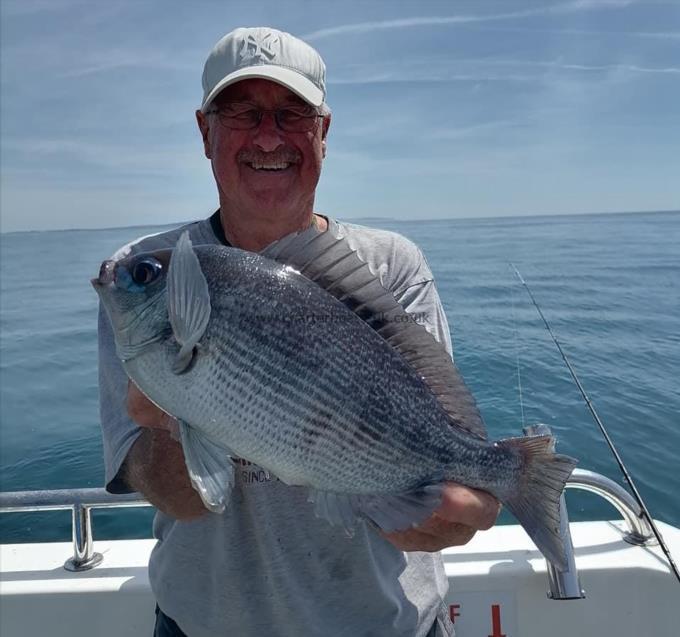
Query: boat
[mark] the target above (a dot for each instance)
(618, 583)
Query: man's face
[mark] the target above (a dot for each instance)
(264, 170)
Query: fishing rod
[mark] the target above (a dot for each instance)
(591, 408)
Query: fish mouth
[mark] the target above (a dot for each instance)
(106, 274)
(129, 335)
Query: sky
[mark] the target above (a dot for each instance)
(440, 109)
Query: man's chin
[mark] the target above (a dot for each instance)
(274, 202)
(270, 187)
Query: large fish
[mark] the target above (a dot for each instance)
(298, 360)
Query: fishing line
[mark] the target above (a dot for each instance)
(519, 375)
(591, 408)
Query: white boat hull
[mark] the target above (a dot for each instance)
(498, 587)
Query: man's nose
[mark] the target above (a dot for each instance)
(267, 135)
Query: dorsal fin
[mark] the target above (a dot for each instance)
(331, 262)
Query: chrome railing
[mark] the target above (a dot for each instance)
(563, 584)
(639, 530)
(80, 502)
(566, 584)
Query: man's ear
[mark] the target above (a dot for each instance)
(326, 124)
(204, 128)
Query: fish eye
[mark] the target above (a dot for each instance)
(146, 270)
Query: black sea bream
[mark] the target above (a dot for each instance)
(298, 360)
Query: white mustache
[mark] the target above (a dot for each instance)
(284, 156)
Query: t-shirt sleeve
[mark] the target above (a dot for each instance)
(118, 431)
(403, 269)
(421, 300)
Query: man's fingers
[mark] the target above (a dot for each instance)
(440, 527)
(433, 535)
(463, 511)
(470, 507)
(415, 541)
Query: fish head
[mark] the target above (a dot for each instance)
(133, 291)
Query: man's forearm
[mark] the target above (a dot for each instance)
(155, 467)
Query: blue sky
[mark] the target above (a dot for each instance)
(440, 109)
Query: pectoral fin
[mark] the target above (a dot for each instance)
(188, 301)
(210, 468)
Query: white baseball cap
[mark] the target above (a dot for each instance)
(262, 52)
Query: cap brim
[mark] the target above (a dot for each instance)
(292, 80)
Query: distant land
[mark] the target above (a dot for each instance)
(369, 220)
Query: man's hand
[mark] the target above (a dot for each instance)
(145, 414)
(463, 512)
(155, 464)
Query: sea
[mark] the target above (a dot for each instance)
(609, 286)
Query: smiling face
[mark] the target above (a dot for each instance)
(263, 173)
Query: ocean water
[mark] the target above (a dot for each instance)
(608, 284)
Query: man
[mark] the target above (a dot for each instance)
(267, 565)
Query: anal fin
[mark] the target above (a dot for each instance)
(210, 468)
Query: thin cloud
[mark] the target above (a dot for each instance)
(140, 60)
(559, 64)
(483, 70)
(474, 130)
(631, 68)
(661, 35)
(406, 23)
(27, 7)
(594, 4)
(112, 157)
(431, 76)
(658, 35)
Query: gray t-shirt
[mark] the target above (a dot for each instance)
(268, 565)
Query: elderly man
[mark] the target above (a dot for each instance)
(267, 565)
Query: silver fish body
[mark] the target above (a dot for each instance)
(289, 377)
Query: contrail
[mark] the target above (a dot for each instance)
(405, 23)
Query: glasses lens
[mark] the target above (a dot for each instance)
(239, 117)
(296, 120)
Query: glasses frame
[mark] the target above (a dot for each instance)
(262, 111)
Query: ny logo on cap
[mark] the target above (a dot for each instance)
(263, 49)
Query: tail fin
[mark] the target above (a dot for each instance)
(536, 501)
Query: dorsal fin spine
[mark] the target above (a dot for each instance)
(319, 275)
(336, 283)
(304, 266)
(362, 305)
(350, 293)
(378, 307)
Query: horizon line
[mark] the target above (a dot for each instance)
(373, 218)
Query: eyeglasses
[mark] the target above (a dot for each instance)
(245, 116)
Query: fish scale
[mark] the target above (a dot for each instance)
(258, 361)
